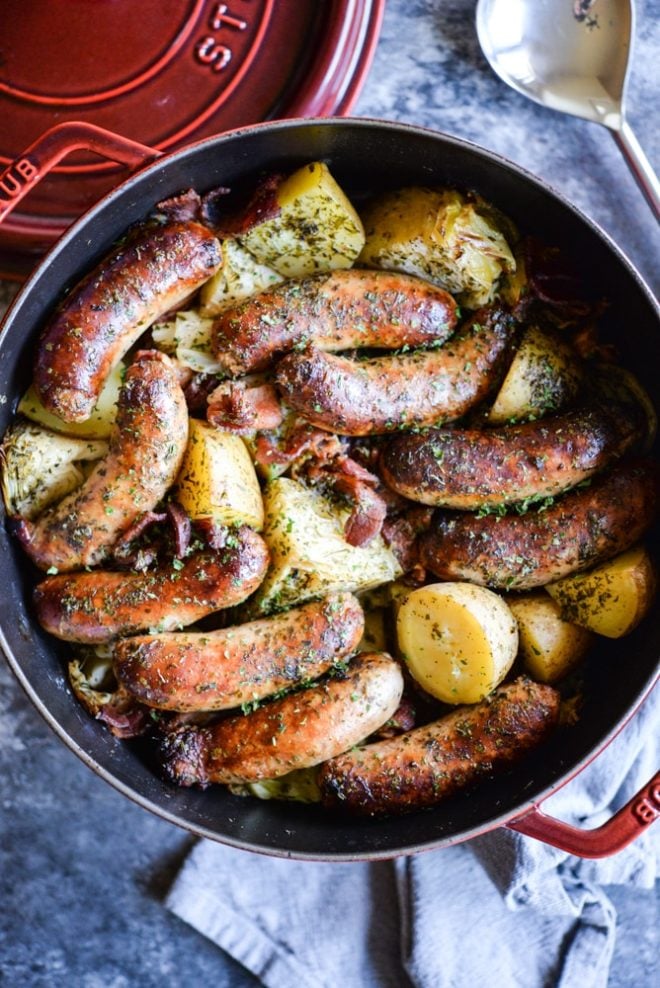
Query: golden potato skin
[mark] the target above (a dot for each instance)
(612, 598)
(217, 478)
(550, 646)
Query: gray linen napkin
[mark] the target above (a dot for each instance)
(500, 910)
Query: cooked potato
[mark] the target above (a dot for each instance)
(550, 646)
(374, 637)
(316, 229)
(545, 375)
(217, 479)
(612, 598)
(440, 235)
(240, 276)
(97, 426)
(38, 467)
(458, 640)
(309, 554)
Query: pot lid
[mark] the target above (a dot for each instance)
(163, 73)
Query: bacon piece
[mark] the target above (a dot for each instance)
(237, 408)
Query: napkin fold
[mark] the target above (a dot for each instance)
(501, 909)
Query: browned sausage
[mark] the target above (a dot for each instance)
(96, 607)
(371, 397)
(470, 468)
(298, 731)
(418, 769)
(146, 448)
(517, 552)
(336, 311)
(218, 670)
(136, 284)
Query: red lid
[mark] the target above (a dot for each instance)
(164, 73)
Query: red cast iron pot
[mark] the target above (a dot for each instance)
(365, 156)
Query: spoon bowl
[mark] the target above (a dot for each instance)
(571, 56)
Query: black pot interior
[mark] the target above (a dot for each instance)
(364, 156)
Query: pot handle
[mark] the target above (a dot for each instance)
(627, 824)
(37, 160)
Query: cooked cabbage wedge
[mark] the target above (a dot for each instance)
(458, 640)
(217, 478)
(550, 646)
(92, 679)
(97, 426)
(612, 598)
(188, 338)
(39, 466)
(309, 554)
(299, 786)
(544, 376)
(458, 243)
(317, 229)
(240, 276)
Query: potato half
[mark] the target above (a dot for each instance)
(458, 640)
(612, 598)
(549, 645)
(217, 478)
(545, 375)
(316, 229)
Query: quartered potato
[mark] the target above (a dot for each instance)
(374, 636)
(545, 375)
(317, 228)
(97, 426)
(612, 598)
(240, 276)
(550, 646)
(309, 554)
(438, 234)
(458, 640)
(217, 479)
(40, 467)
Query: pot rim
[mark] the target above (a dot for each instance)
(145, 174)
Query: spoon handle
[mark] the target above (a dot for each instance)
(639, 165)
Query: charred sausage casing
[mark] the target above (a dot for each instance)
(155, 270)
(518, 552)
(93, 608)
(336, 311)
(219, 670)
(145, 451)
(424, 766)
(384, 394)
(469, 469)
(298, 731)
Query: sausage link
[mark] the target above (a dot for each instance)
(424, 766)
(218, 670)
(372, 397)
(93, 608)
(336, 311)
(468, 468)
(145, 451)
(136, 284)
(517, 552)
(298, 731)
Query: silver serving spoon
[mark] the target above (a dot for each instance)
(572, 56)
